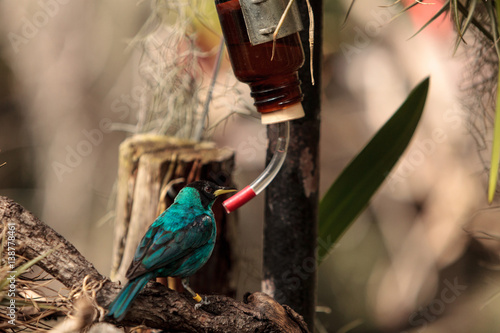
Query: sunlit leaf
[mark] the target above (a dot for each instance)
(495, 150)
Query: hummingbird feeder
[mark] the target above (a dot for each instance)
(265, 51)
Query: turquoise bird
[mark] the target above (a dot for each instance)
(177, 244)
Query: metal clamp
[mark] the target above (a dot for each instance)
(262, 17)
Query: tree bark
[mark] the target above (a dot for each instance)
(156, 306)
(290, 229)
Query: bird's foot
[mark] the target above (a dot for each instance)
(200, 301)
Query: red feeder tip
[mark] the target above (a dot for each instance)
(239, 199)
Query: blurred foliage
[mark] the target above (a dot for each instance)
(484, 16)
(463, 14)
(351, 192)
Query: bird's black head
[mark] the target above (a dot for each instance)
(209, 191)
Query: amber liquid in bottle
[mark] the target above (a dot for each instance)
(275, 84)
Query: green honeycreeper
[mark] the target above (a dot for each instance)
(177, 244)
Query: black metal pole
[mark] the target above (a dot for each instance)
(291, 212)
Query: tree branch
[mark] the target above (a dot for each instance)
(156, 306)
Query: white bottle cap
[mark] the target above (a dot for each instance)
(294, 111)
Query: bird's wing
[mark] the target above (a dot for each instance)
(160, 247)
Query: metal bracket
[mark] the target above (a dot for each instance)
(262, 17)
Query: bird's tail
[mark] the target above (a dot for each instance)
(119, 307)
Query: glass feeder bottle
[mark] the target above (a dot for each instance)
(273, 79)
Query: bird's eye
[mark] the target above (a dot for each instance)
(208, 189)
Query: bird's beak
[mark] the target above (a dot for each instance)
(224, 191)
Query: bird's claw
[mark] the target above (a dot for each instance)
(201, 302)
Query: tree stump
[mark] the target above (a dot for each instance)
(152, 169)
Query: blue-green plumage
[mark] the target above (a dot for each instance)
(178, 243)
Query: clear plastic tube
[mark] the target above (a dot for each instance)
(267, 176)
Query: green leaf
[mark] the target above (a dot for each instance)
(348, 12)
(351, 192)
(443, 9)
(468, 16)
(495, 149)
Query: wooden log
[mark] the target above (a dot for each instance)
(151, 167)
(156, 306)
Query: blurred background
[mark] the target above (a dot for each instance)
(424, 255)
